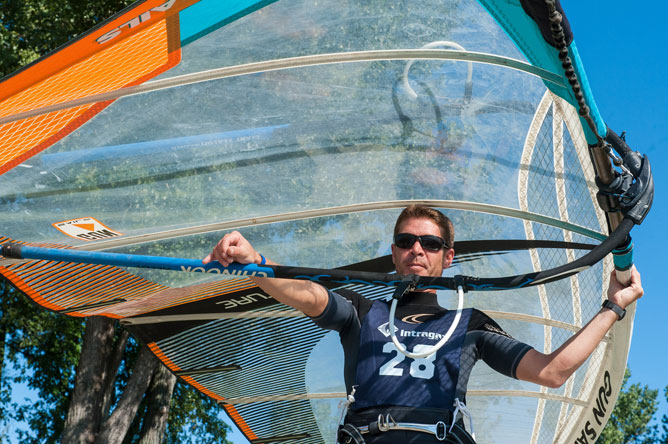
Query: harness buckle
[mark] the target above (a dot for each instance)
(386, 423)
(441, 431)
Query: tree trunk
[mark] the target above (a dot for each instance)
(85, 415)
(113, 363)
(116, 426)
(159, 400)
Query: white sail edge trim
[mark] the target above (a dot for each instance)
(610, 373)
(342, 395)
(295, 62)
(574, 128)
(609, 377)
(523, 196)
(558, 129)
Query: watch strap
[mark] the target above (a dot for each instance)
(616, 308)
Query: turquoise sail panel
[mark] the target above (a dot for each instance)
(589, 97)
(208, 15)
(526, 34)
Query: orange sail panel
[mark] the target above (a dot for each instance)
(142, 56)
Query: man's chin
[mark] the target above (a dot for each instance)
(415, 269)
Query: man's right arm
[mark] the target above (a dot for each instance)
(553, 369)
(305, 296)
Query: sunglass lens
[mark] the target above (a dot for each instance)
(405, 240)
(433, 243)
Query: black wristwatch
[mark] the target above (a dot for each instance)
(614, 307)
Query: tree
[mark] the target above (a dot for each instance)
(30, 29)
(95, 383)
(664, 422)
(128, 396)
(629, 421)
(42, 348)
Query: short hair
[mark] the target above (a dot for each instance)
(421, 212)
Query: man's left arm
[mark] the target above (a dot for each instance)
(553, 369)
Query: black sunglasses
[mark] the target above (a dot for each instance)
(428, 242)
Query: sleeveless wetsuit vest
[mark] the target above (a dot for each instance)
(387, 377)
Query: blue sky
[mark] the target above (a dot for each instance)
(623, 50)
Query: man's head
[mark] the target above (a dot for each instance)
(419, 234)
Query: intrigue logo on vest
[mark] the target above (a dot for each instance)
(385, 330)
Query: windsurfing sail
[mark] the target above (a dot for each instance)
(310, 125)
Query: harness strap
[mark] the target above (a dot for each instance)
(456, 434)
(349, 434)
(387, 423)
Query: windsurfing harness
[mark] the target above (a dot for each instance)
(404, 425)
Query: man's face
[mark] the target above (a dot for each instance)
(416, 259)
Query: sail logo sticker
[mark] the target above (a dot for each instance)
(86, 228)
(134, 22)
(252, 298)
(224, 272)
(590, 432)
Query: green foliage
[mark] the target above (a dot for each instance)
(193, 414)
(43, 348)
(629, 422)
(664, 422)
(32, 28)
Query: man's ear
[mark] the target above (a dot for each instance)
(393, 247)
(448, 257)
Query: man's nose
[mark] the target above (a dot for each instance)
(416, 248)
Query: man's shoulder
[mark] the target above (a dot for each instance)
(481, 321)
(362, 304)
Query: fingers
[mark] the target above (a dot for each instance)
(221, 251)
(624, 295)
(217, 254)
(635, 281)
(233, 247)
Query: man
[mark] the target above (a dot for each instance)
(404, 400)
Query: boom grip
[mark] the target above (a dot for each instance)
(11, 250)
(623, 259)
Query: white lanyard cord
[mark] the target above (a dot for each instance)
(461, 407)
(440, 343)
(345, 405)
